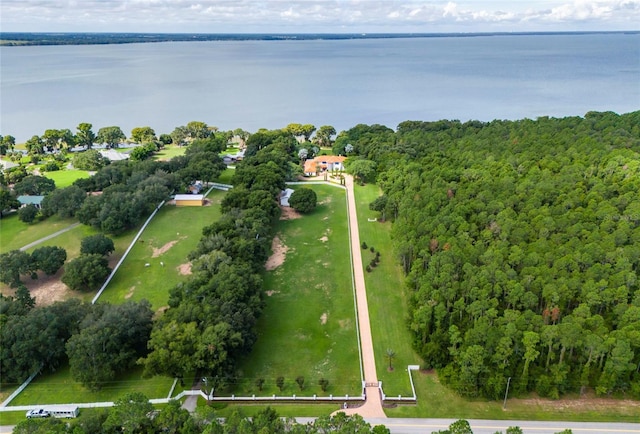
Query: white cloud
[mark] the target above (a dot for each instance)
(317, 15)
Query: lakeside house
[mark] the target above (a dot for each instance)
(323, 163)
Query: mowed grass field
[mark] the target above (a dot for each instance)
(385, 297)
(60, 388)
(64, 178)
(170, 237)
(15, 234)
(170, 151)
(308, 326)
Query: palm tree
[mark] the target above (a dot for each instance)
(390, 355)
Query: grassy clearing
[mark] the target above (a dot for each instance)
(170, 151)
(436, 401)
(169, 238)
(14, 234)
(385, 297)
(12, 417)
(64, 178)
(284, 410)
(225, 176)
(308, 326)
(60, 388)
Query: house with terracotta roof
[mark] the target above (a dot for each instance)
(323, 163)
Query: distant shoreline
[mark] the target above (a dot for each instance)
(20, 39)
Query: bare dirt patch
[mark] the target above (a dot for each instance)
(324, 239)
(289, 213)
(278, 256)
(165, 248)
(129, 294)
(184, 269)
(271, 292)
(587, 403)
(207, 202)
(323, 318)
(46, 289)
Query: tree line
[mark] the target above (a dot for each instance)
(134, 414)
(211, 318)
(519, 240)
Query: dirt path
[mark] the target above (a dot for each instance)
(373, 405)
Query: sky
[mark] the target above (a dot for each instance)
(317, 16)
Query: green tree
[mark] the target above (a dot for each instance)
(34, 185)
(64, 202)
(28, 213)
(49, 425)
(324, 134)
(89, 160)
(111, 339)
(86, 272)
(49, 259)
(303, 200)
(143, 134)
(390, 355)
(98, 244)
(35, 145)
(13, 264)
(130, 414)
(7, 200)
(300, 381)
(111, 136)
(198, 130)
(280, 383)
(85, 135)
(362, 170)
(7, 143)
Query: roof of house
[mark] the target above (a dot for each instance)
(29, 200)
(114, 155)
(189, 197)
(310, 164)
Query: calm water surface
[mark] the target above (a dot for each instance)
(255, 84)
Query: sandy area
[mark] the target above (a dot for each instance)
(159, 251)
(278, 256)
(184, 269)
(289, 213)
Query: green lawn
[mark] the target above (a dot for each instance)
(225, 176)
(437, 401)
(284, 410)
(60, 388)
(170, 237)
(386, 298)
(308, 326)
(64, 178)
(14, 234)
(169, 151)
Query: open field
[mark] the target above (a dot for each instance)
(15, 234)
(60, 388)
(385, 297)
(308, 327)
(435, 400)
(169, 151)
(169, 238)
(225, 176)
(64, 178)
(284, 410)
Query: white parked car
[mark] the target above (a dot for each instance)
(41, 412)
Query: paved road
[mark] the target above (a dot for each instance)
(425, 426)
(48, 237)
(373, 405)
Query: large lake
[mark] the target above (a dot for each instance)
(255, 84)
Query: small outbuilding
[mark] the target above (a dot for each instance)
(189, 199)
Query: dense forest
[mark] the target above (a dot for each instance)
(521, 245)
